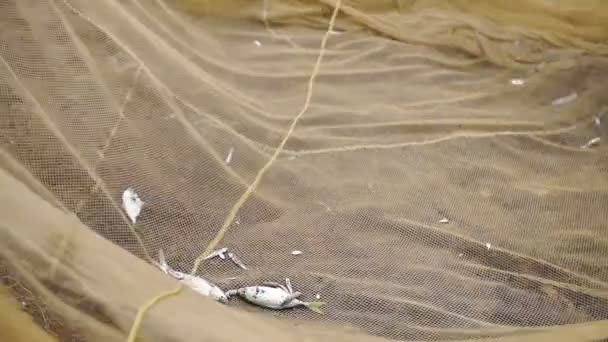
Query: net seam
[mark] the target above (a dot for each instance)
(441, 139)
(101, 152)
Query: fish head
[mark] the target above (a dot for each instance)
(219, 295)
(251, 292)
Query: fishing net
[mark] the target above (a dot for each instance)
(432, 170)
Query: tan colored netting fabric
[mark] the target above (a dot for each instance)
(413, 118)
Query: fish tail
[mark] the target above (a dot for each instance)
(315, 306)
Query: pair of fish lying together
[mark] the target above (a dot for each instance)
(270, 295)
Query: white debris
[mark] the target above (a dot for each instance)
(327, 208)
(488, 245)
(318, 296)
(132, 204)
(565, 99)
(236, 260)
(593, 142)
(444, 220)
(460, 255)
(24, 303)
(220, 252)
(370, 187)
(597, 120)
(518, 81)
(257, 43)
(296, 252)
(229, 157)
(539, 67)
(169, 116)
(198, 284)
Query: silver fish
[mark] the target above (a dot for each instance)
(593, 142)
(198, 284)
(220, 252)
(274, 296)
(565, 99)
(132, 204)
(236, 260)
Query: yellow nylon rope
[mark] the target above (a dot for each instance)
(145, 307)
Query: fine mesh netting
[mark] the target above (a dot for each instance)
(439, 165)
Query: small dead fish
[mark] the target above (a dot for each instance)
(197, 284)
(274, 296)
(220, 252)
(132, 204)
(518, 81)
(593, 142)
(565, 99)
(229, 157)
(296, 252)
(444, 220)
(205, 287)
(236, 260)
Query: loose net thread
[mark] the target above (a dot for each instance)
(237, 206)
